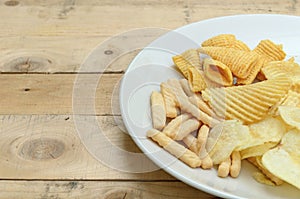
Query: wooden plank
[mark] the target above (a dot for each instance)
(52, 94)
(48, 147)
(99, 189)
(71, 29)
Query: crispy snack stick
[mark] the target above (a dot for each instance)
(169, 99)
(158, 110)
(186, 128)
(175, 124)
(187, 106)
(176, 149)
(191, 142)
(236, 161)
(224, 168)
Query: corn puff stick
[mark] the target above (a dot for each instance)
(236, 161)
(186, 128)
(224, 168)
(158, 110)
(176, 149)
(175, 123)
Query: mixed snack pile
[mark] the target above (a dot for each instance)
(233, 104)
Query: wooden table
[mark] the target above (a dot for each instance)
(42, 46)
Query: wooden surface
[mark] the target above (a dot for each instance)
(42, 46)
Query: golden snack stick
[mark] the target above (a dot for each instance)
(169, 99)
(186, 128)
(191, 142)
(236, 161)
(224, 168)
(174, 124)
(176, 149)
(158, 110)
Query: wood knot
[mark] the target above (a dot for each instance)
(28, 64)
(42, 149)
(11, 3)
(108, 52)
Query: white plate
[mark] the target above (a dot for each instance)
(153, 65)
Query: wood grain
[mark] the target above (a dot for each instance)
(52, 94)
(71, 29)
(48, 147)
(101, 189)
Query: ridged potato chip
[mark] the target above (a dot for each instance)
(284, 160)
(292, 98)
(247, 103)
(240, 62)
(290, 115)
(217, 72)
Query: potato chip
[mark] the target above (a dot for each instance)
(284, 160)
(257, 161)
(247, 103)
(217, 72)
(240, 62)
(291, 99)
(290, 115)
(257, 150)
(270, 50)
(224, 138)
(261, 178)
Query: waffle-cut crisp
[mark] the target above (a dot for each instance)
(217, 72)
(255, 69)
(247, 103)
(222, 40)
(271, 50)
(192, 57)
(240, 62)
(196, 80)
